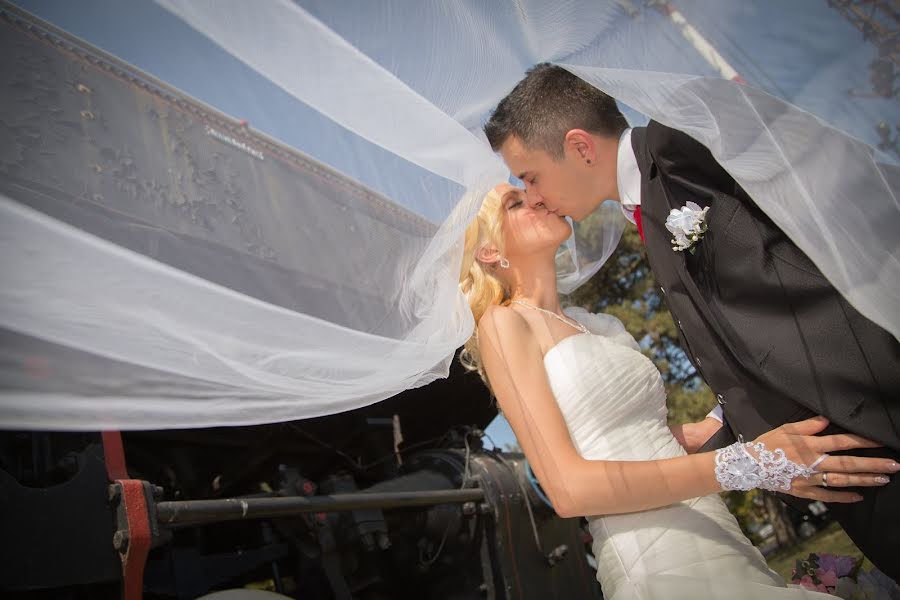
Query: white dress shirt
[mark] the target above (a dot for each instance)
(628, 176)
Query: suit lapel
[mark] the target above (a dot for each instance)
(654, 200)
(669, 267)
(654, 209)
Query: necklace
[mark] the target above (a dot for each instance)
(566, 320)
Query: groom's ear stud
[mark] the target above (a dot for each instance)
(588, 161)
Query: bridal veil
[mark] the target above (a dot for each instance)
(285, 302)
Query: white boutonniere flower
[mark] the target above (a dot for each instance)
(687, 226)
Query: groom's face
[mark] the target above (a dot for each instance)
(564, 186)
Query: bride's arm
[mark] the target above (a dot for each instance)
(577, 486)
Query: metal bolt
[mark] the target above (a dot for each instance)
(485, 509)
(469, 508)
(120, 540)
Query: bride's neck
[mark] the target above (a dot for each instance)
(536, 284)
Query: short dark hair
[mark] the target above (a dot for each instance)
(548, 103)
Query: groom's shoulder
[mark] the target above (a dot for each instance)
(658, 134)
(672, 145)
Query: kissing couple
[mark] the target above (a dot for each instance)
(807, 387)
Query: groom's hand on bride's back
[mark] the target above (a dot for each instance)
(801, 445)
(692, 436)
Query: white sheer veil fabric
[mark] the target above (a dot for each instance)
(826, 190)
(138, 341)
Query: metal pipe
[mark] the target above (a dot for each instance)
(193, 512)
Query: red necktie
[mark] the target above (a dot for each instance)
(637, 221)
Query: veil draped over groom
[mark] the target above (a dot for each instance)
(391, 97)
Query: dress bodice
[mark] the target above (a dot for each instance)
(611, 397)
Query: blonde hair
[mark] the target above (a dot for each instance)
(478, 281)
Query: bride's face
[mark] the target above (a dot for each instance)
(527, 230)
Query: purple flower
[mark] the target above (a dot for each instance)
(841, 565)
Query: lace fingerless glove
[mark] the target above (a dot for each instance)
(747, 465)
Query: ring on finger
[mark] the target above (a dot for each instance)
(825, 480)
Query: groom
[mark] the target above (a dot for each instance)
(764, 328)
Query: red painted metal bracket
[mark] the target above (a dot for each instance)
(133, 537)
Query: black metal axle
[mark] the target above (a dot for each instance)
(193, 512)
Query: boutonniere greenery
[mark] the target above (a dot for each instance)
(687, 226)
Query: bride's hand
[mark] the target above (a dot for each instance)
(802, 446)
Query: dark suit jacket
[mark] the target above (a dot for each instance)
(770, 335)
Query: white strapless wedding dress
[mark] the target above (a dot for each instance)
(614, 404)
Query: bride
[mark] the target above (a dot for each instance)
(589, 411)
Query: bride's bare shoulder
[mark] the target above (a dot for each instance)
(503, 333)
(503, 322)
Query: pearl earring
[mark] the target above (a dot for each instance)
(504, 263)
